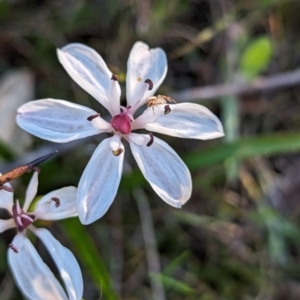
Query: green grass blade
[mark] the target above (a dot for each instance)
(246, 148)
(88, 255)
(243, 148)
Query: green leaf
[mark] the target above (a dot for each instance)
(194, 220)
(246, 148)
(243, 148)
(176, 263)
(88, 256)
(256, 57)
(174, 284)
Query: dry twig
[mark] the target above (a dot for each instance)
(278, 81)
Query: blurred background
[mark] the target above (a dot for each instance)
(239, 235)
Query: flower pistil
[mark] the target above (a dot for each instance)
(22, 219)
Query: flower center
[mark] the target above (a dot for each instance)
(22, 219)
(122, 122)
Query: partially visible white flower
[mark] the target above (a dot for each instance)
(33, 276)
(61, 121)
(16, 88)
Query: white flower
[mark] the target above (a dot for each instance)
(33, 276)
(61, 121)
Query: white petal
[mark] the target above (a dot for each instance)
(102, 125)
(6, 198)
(114, 95)
(32, 275)
(186, 120)
(19, 240)
(99, 183)
(164, 170)
(88, 69)
(115, 142)
(56, 120)
(144, 64)
(17, 86)
(66, 263)
(7, 224)
(149, 115)
(139, 139)
(46, 208)
(31, 190)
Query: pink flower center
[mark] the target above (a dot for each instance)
(122, 122)
(22, 219)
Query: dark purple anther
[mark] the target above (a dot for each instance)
(150, 84)
(13, 247)
(56, 200)
(92, 117)
(6, 188)
(151, 139)
(167, 109)
(114, 77)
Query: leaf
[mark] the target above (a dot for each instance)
(243, 148)
(176, 263)
(174, 284)
(88, 256)
(246, 148)
(256, 57)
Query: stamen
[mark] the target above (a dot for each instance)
(13, 247)
(126, 110)
(117, 152)
(22, 219)
(27, 217)
(167, 109)
(150, 84)
(123, 108)
(18, 207)
(6, 188)
(56, 200)
(31, 216)
(92, 117)
(19, 222)
(151, 139)
(130, 116)
(114, 77)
